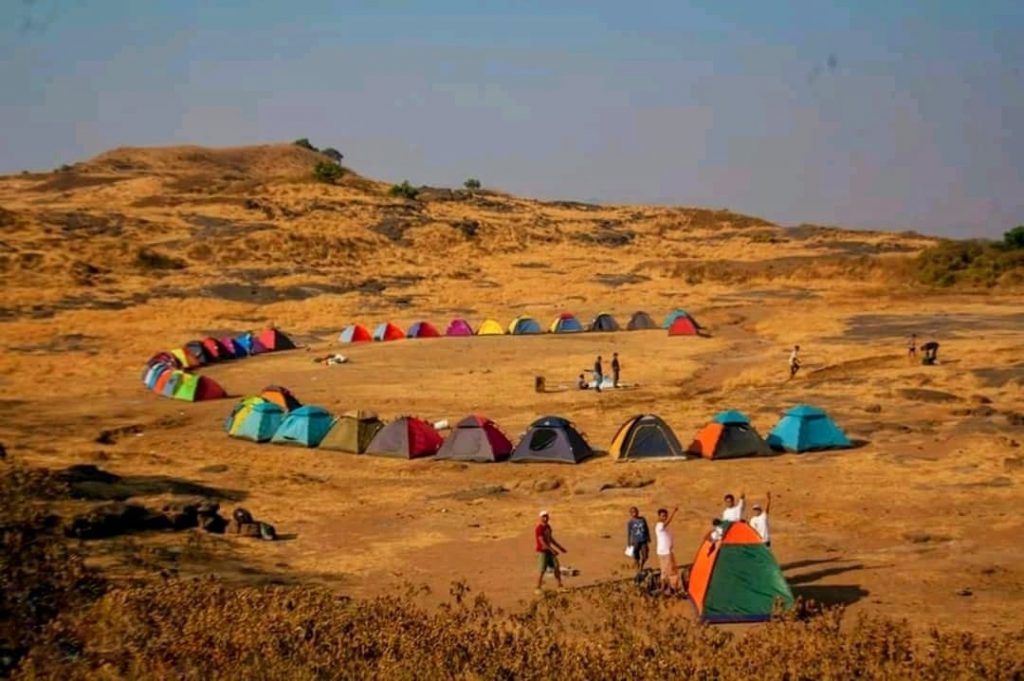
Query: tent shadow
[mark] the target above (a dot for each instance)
(291, 536)
(858, 443)
(811, 577)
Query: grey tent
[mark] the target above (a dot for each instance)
(641, 321)
(646, 437)
(603, 322)
(476, 438)
(552, 439)
(406, 438)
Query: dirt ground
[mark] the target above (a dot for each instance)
(920, 520)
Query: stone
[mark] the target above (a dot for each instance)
(546, 484)
(873, 409)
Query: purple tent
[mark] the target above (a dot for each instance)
(459, 327)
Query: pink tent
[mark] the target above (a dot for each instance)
(459, 327)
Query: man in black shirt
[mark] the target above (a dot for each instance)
(616, 367)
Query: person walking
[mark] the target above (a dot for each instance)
(759, 521)
(616, 368)
(547, 549)
(666, 556)
(598, 374)
(794, 362)
(638, 538)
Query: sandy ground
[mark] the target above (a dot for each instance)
(919, 521)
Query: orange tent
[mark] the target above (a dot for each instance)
(728, 436)
(282, 397)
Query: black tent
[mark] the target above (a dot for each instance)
(603, 322)
(646, 436)
(641, 321)
(552, 439)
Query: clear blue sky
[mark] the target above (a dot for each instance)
(869, 113)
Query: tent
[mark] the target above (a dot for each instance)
(523, 325)
(684, 326)
(476, 438)
(282, 397)
(355, 333)
(737, 578)
(163, 357)
(352, 432)
(195, 388)
(805, 428)
(168, 382)
(459, 327)
(216, 350)
(258, 422)
(673, 316)
(386, 331)
(199, 351)
(728, 436)
(406, 438)
(235, 351)
(490, 328)
(240, 409)
(565, 323)
(306, 427)
(604, 322)
(422, 330)
(186, 360)
(552, 439)
(275, 340)
(153, 374)
(646, 436)
(641, 321)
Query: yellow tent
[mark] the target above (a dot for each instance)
(490, 328)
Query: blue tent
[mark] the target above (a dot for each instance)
(566, 323)
(804, 428)
(260, 423)
(731, 416)
(672, 316)
(244, 342)
(524, 325)
(153, 373)
(305, 426)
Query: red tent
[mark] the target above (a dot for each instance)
(406, 438)
(386, 331)
(208, 389)
(683, 326)
(274, 339)
(423, 330)
(215, 349)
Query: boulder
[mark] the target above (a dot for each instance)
(546, 484)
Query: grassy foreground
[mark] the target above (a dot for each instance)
(60, 621)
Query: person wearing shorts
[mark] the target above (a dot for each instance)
(547, 550)
(666, 556)
(638, 537)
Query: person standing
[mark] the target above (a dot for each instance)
(546, 545)
(759, 521)
(794, 362)
(616, 367)
(912, 348)
(666, 556)
(733, 512)
(638, 537)
(598, 374)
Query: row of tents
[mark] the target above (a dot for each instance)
(277, 416)
(169, 373)
(677, 323)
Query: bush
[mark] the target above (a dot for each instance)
(405, 190)
(976, 263)
(328, 172)
(305, 144)
(333, 154)
(472, 184)
(1014, 238)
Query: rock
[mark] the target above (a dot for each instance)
(111, 520)
(925, 395)
(546, 484)
(1013, 463)
(873, 409)
(1014, 418)
(478, 492)
(215, 468)
(980, 399)
(966, 591)
(594, 485)
(111, 436)
(917, 537)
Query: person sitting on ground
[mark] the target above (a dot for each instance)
(733, 512)
(759, 521)
(638, 537)
(666, 556)
(598, 374)
(581, 383)
(616, 368)
(794, 362)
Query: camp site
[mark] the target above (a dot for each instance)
(600, 346)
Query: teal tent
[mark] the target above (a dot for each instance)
(805, 428)
(305, 427)
(259, 423)
(673, 316)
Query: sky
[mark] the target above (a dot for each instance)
(874, 114)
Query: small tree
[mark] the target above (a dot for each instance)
(1014, 238)
(333, 154)
(472, 184)
(305, 144)
(405, 190)
(328, 171)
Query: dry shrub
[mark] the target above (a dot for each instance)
(205, 629)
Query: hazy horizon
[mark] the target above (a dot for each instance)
(877, 116)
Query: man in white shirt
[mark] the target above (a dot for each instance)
(666, 558)
(759, 521)
(733, 512)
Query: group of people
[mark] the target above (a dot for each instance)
(929, 350)
(638, 540)
(599, 375)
